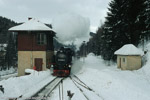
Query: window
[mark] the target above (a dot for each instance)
(41, 38)
(124, 60)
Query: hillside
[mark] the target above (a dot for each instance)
(5, 24)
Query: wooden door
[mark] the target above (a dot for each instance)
(120, 63)
(38, 63)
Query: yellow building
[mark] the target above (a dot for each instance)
(129, 57)
(35, 45)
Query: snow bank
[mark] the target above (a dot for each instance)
(6, 72)
(31, 71)
(24, 86)
(148, 47)
(145, 70)
(112, 83)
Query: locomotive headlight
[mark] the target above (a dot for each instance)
(69, 66)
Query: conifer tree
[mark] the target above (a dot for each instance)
(121, 26)
(114, 37)
(146, 32)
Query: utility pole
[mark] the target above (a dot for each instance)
(84, 51)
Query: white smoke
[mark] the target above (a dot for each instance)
(71, 28)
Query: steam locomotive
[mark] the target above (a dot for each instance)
(62, 62)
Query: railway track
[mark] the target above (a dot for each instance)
(79, 88)
(79, 84)
(45, 92)
(61, 93)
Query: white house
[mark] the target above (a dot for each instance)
(129, 57)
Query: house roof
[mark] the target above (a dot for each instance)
(129, 49)
(31, 25)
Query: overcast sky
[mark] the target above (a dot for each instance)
(47, 10)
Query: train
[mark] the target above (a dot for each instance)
(62, 62)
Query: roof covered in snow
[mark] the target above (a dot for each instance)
(129, 49)
(31, 25)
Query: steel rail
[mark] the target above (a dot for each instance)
(47, 89)
(79, 88)
(81, 83)
(61, 94)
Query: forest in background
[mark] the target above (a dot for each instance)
(127, 22)
(8, 49)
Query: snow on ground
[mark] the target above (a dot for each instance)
(108, 82)
(24, 85)
(112, 83)
(8, 76)
(67, 85)
(6, 72)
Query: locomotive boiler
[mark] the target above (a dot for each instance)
(62, 62)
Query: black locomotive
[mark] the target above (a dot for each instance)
(62, 62)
